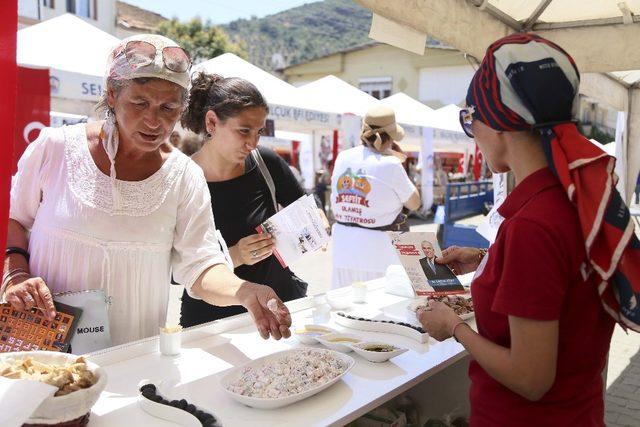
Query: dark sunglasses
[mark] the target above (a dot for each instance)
(466, 119)
(140, 54)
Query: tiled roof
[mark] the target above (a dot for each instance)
(130, 16)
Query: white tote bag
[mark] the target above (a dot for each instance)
(92, 330)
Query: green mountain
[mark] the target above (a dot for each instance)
(302, 33)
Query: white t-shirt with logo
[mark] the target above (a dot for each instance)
(368, 188)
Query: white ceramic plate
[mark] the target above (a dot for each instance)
(339, 299)
(168, 413)
(310, 339)
(376, 356)
(264, 403)
(342, 346)
(379, 326)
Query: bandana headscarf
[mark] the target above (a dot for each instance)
(119, 68)
(526, 82)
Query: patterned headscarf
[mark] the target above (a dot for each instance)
(121, 65)
(526, 82)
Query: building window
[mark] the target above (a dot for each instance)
(378, 87)
(84, 8)
(49, 3)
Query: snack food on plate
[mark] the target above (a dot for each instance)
(388, 322)
(68, 377)
(313, 330)
(290, 374)
(460, 305)
(380, 348)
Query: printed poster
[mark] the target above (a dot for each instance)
(418, 253)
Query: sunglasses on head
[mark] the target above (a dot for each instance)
(466, 119)
(140, 54)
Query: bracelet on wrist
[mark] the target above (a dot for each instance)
(453, 330)
(481, 253)
(14, 272)
(10, 275)
(17, 250)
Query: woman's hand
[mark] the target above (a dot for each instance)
(438, 320)
(252, 249)
(460, 260)
(269, 313)
(28, 293)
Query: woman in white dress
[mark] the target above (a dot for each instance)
(111, 205)
(369, 188)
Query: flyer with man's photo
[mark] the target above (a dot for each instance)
(297, 229)
(418, 253)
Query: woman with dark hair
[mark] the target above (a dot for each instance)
(565, 265)
(231, 113)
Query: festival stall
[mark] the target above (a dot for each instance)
(75, 52)
(206, 367)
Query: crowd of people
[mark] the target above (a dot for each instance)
(111, 205)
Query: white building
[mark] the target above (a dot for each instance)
(100, 13)
(117, 18)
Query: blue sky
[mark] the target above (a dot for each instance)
(218, 11)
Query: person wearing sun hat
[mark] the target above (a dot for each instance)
(369, 188)
(565, 265)
(112, 206)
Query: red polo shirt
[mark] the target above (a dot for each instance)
(533, 271)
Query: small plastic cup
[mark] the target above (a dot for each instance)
(359, 292)
(170, 340)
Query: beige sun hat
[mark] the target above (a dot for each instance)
(381, 119)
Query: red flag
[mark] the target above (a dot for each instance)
(8, 31)
(477, 165)
(295, 154)
(335, 148)
(32, 108)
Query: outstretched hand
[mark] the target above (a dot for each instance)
(271, 316)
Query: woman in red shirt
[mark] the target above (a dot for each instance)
(565, 264)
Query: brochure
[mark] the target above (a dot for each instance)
(297, 229)
(418, 253)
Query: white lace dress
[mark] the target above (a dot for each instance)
(82, 239)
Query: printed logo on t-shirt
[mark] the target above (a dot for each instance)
(353, 188)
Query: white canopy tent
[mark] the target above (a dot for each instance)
(408, 110)
(331, 93)
(447, 118)
(595, 33)
(73, 50)
(285, 103)
(448, 135)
